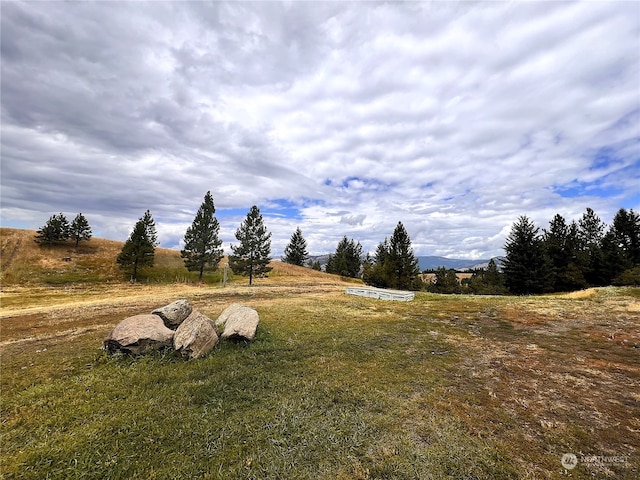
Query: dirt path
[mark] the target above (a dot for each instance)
(10, 247)
(72, 313)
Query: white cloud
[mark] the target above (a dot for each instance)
(452, 118)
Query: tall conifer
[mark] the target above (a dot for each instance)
(139, 249)
(296, 252)
(526, 267)
(251, 256)
(202, 247)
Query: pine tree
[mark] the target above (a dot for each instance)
(403, 267)
(139, 249)
(590, 256)
(526, 268)
(621, 249)
(445, 281)
(202, 247)
(296, 252)
(394, 264)
(251, 256)
(56, 230)
(562, 245)
(80, 229)
(591, 228)
(489, 281)
(626, 228)
(347, 259)
(376, 270)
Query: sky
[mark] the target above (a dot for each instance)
(340, 118)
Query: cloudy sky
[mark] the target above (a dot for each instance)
(340, 118)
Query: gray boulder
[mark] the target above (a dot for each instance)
(196, 336)
(175, 313)
(138, 335)
(238, 322)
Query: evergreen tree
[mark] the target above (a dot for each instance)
(376, 271)
(202, 247)
(251, 256)
(139, 249)
(445, 281)
(621, 249)
(613, 260)
(591, 228)
(80, 229)
(563, 248)
(394, 264)
(526, 267)
(403, 267)
(487, 281)
(296, 252)
(493, 277)
(56, 230)
(626, 229)
(590, 255)
(347, 259)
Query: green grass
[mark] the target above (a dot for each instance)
(315, 396)
(334, 386)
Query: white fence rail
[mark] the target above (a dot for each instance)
(380, 293)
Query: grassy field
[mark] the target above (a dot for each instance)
(334, 386)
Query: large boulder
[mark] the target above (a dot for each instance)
(175, 313)
(196, 336)
(238, 322)
(138, 335)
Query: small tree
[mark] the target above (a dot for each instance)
(202, 247)
(80, 229)
(487, 281)
(376, 270)
(315, 265)
(139, 249)
(347, 260)
(404, 265)
(590, 257)
(296, 252)
(526, 267)
(445, 281)
(56, 230)
(562, 244)
(394, 264)
(626, 229)
(251, 256)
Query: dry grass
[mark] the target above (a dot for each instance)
(335, 386)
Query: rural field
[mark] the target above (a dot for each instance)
(333, 387)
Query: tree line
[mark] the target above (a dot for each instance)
(58, 230)
(572, 256)
(202, 245)
(563, 257)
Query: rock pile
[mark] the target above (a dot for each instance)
(191, 333)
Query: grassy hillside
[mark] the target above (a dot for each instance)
(25, 263)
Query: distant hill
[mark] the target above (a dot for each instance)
(499, 261)
(433, 262)
(23, 262)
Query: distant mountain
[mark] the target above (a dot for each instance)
(323, 259)
(433, 262)
(499, 261)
